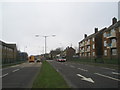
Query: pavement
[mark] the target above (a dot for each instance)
(87, 76)
(19, 76)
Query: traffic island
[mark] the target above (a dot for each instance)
(48, 77)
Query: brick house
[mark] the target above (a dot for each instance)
(111, 40)
(69, 51)
(91, 46)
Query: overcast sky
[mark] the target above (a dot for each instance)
(69, 21)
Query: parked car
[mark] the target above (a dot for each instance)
(61, 59)
(38, 60)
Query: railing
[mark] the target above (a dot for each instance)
(111, 45)
(112, 34)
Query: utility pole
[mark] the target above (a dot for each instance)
(45, 41)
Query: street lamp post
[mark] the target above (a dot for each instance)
(45, 41)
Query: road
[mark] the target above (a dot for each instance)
(20, 76)
(87, 76)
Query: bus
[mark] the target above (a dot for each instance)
(31, 59)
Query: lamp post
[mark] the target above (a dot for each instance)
(45, 41)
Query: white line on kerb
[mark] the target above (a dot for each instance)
(83, 69)
(108, 68)
(4, 75)
(107, 76)
(15, 66)
(15, 70)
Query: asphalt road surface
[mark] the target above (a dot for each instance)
(20, 76)
(87, 76)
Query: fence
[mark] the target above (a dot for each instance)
(97, 60)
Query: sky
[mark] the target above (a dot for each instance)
(69, 21)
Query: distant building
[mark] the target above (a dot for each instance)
(53, 54)
(9, 52)
(111, 40)
(69, 52)
(22, 56)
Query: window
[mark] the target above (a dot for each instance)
(113, 42)
(93, 46)
(114, 51)
(80, 54)
(105, 52)
(112, 30)
(93, 53)
(88, 54)
(105, 44)
(93, 39)
(105, 34)
(119, 29)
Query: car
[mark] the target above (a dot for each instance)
(61, 59)
(38, 60)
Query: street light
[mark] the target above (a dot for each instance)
(45, 40)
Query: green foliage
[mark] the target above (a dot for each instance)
(48, 77)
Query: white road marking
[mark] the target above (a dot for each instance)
(107, 76)
(57, 70)
(116, 73)
(108, 68)
(15, 66)
(86, 79)
(4, 75)
(82, 69)
(15, 70)
(31, 63)
(72, 66)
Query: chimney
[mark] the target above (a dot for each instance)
(85, 35)
(96, 30)
(114, 20)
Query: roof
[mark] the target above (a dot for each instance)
(94, 34)
(117, 24)
(13, 46)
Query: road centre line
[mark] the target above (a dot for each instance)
(72, 66)
(4, 75)
(107, 76)
(82, 69)
(15, 70)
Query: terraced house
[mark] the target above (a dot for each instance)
(91, 46)
(111, 40)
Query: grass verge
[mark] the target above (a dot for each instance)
(48, 77)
